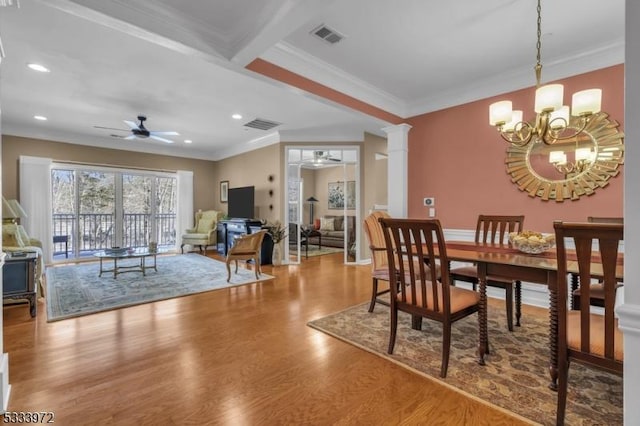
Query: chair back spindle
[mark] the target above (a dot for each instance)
(495, 229)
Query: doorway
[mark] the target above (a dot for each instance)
(323, 202)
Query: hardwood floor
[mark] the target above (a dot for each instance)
(237, 356)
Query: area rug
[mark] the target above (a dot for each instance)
(76, 290)
(515, 376)
(314, 250)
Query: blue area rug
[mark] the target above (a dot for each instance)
(76, 290)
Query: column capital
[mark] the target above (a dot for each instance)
(397, 137)
(397, 128)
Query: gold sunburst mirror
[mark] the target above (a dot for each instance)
(571, 168)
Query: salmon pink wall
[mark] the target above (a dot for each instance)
(458, 158)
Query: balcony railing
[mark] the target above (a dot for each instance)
(97, 231)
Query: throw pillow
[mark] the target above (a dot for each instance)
(326, 224)
(204, 226)
(316, 224)
(11, 237)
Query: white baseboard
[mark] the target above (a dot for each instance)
(4, 381)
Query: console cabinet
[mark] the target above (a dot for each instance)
(18, 279)
(228, 229)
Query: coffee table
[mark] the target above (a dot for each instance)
(140, 254)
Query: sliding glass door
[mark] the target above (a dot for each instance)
(98, 209)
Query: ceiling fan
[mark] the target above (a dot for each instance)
(319, 156)
(138, 131)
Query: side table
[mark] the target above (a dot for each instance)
(18, 278)
(307, 233)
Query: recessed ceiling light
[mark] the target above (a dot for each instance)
(38, 67)
(188, 141)
(236, 117)
(40, 117)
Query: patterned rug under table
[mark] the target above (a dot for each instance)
(514, 378)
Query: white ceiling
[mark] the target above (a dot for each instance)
(182, 64)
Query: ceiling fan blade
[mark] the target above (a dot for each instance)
(131, 124)
(130, 137)
(111, 128)
(160, 139)
(165, 133)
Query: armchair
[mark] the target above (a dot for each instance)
(204, 231)
(246, 247)
(15, 238)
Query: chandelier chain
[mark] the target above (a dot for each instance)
(538, 67)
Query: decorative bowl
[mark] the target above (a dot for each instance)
(531, 242)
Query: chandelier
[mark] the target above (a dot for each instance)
(583, 158)
(552, 118)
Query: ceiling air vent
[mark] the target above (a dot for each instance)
(327, 34)
(262, 124)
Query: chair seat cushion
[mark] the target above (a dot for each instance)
(596, 338)
(460, 298)
(465, 271)
(195, 236)
(595, 292)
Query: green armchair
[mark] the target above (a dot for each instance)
(203, 234)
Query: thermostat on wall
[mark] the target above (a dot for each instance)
(429, 201)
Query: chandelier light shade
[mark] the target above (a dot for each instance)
(549, 98)
(553, 118)
(586, 102)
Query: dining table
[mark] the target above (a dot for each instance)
(506, 261)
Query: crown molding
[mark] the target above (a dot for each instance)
(160, 148)
(300, 62)
(512, 80)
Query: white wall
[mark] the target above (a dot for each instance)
(630, 311)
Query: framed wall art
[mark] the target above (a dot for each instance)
(338, 193)
(224, 191)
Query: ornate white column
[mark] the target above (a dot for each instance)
(398, 168)
(629, 312)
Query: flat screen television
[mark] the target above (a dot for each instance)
(240, 202)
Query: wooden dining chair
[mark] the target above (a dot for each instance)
(246, 247)
(379, 262)
(495, 230)
(597, 290)
(589, 338)
(415, 244)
